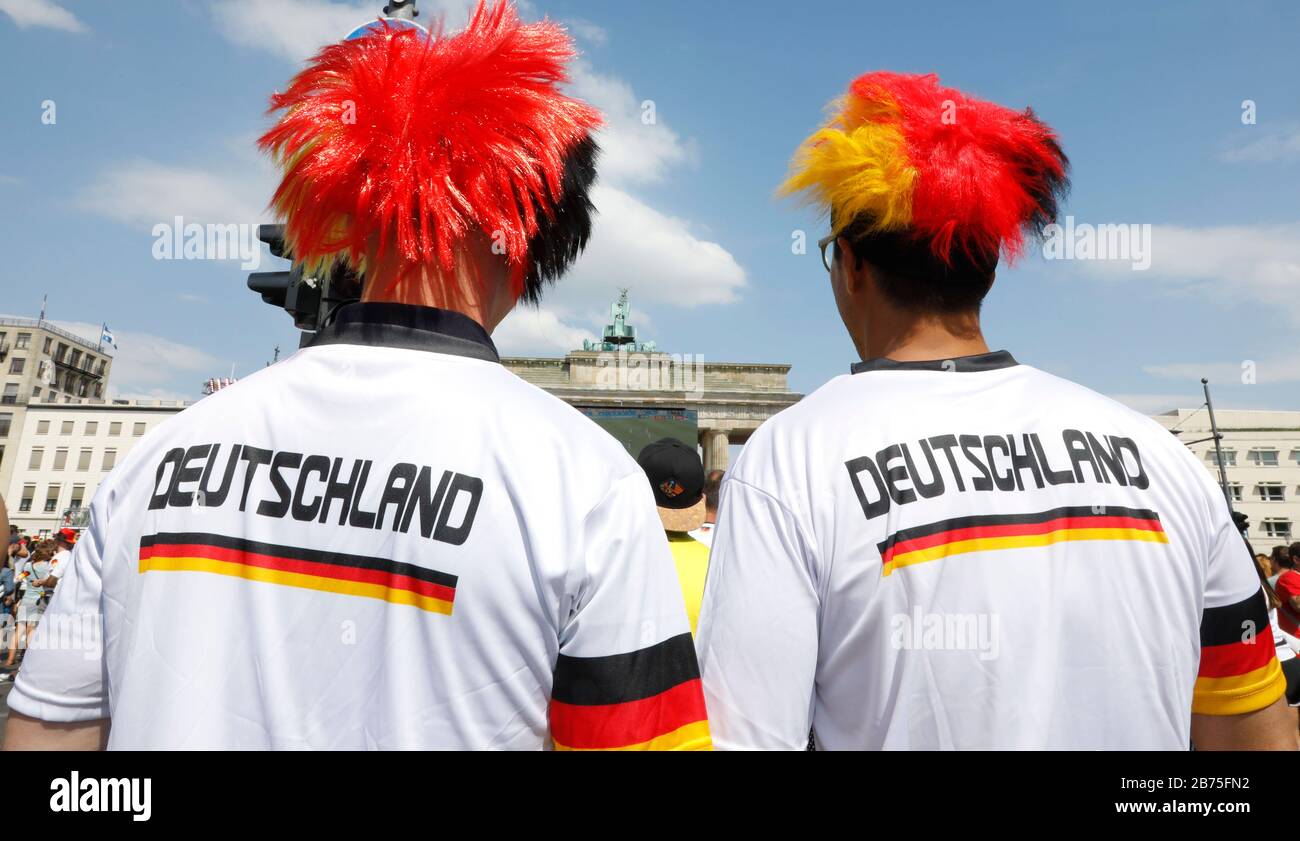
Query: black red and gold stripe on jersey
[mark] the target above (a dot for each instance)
(296, 566)
(1239, 671)
(642, 700)
(989, 532)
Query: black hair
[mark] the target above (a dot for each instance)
(912, 277)
(564, 228)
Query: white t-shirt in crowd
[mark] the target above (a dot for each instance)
(59, 562)
(973, 553)
(385, 541)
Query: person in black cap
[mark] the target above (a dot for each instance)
(676, 476)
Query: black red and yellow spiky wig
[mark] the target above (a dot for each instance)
(904, 157)
(418, 141)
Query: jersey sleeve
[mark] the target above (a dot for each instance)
(62, 678)
(626, 677)
(1239, 671)
(758, 625)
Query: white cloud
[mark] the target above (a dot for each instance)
(1265, 371)
(1267, 145)
(637, 145)
(1257, 266)
(537, 332)
(47, 13)
(655, 255)
(1153, 404)
(296, 29)
(143, 193)
(586, 30)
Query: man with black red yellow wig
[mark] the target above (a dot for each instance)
(946, 548)
(388, 540)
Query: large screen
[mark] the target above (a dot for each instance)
(634, 428)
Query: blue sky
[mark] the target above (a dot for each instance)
(157, 106)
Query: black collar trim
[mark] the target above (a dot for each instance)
(979, 362)
(410, 327)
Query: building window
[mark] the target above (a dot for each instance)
(99, 390)
(1229, 457)
(17, 364)
(48, 342)
(61, 458)
(61, 351)
(10, 396)
(1263, 457)
(66, 429)
(83, 460)
(1295, 456)
(52, 499)
(1277, 529)
(78, 493)
(1234, 488)
(5, 419)
(43, 427)
(110, 459)
(138, 430)
(1270, 492)
(36, 392)
(25, 504)
(92, 427)
(115, 428)
(34, 463)
(24, 339)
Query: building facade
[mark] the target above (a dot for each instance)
(41, 364)
(1261, 458)
(65, 450)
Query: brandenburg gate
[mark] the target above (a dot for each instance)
(730, 399)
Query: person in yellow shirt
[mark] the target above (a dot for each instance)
(677, 478)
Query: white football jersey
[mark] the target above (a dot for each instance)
(385, 541)
(973, 553)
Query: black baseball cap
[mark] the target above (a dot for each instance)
(677, 478)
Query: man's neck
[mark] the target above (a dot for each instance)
(909, 337)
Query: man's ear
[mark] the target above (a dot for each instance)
(855, 270)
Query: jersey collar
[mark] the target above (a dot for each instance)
(979, 362)
(410, 327)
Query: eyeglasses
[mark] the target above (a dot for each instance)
(822, 243)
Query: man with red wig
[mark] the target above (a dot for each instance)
(947, 548)
(388, 540)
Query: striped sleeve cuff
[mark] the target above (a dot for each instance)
(648, 699)
(1239, 671)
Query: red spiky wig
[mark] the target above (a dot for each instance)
(907, 162)
(423, 140)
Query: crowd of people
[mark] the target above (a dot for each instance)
(31, 570)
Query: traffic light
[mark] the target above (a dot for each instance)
(290, 291)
